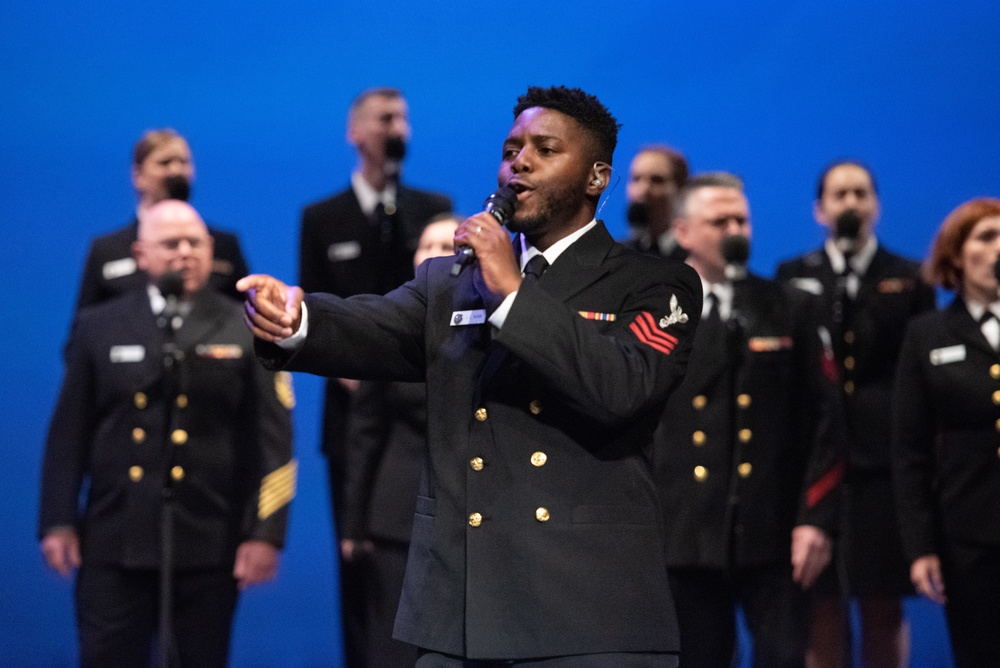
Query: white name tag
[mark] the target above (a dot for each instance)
(462, 318)
(118, 268)
(947, 355)
(347, 250)
(808, 284)
(128, 353)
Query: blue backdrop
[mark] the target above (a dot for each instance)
(771, 90)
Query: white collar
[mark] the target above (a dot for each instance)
(723, 292)
(977, 309)
(368, 197)
(555, 250)
(859, 261)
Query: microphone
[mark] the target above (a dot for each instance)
(846, 229)
(395, 151)
(501, 204)
(736, 252)
(638, 215)
(171, 286)
(178, 187)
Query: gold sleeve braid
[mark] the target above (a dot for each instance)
(277, 489)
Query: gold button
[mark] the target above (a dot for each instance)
(182, 401)
(743, 401)
(475, 519)
(698, 437)
(138, 435)
(996, 397)
(476, 463)
(998, 425)
(135, 473)
(995, 371)
(745, 469)
(849, 387)
(177, 473)
(699, 402)
(481, 414)
(179, 437)
(542, 514)
(849, 336)
(140, 400)
(539, 459)
(535, 407)
(848, 362)
(700, 473)
(745, 435)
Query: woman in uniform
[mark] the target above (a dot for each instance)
(946, 435)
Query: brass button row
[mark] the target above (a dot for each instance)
(995, 371)
(141, 400)
(136, 473)
(537, 459)
(745, 469)
(476, 519)
(849, 363)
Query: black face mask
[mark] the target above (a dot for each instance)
(638, 215)
(178, 187)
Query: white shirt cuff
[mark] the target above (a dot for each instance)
(500, 315)
(296, 340)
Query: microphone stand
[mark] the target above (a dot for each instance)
(736, 252)
(174, 384)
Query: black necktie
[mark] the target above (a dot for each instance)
(713, 316)
(535, 268)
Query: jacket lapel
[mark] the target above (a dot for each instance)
(964, 328)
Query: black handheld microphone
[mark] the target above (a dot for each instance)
(178, 187)
(501, 204)
(171, 285)
(638, 215)
(395, 151)
(846, 230)
(736, 252)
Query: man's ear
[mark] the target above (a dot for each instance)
(680, 227)
(820, 215)
(600, 176)
(139, 253)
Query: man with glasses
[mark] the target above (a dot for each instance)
(168, 422)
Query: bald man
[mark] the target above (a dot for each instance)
(207, 436)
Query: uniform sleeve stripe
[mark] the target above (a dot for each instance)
(652, 336)
(277, 489)
(826, 484)
(648, 324)
(663, 348)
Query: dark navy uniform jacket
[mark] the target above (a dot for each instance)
(537, 529)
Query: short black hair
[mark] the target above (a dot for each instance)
(584, 108)
(830, 166)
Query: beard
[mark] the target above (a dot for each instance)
(551, 205)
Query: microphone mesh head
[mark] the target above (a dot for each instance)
(736, 249)
(848, 225)
(171, 284)
(502, 203)
(638, 214)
